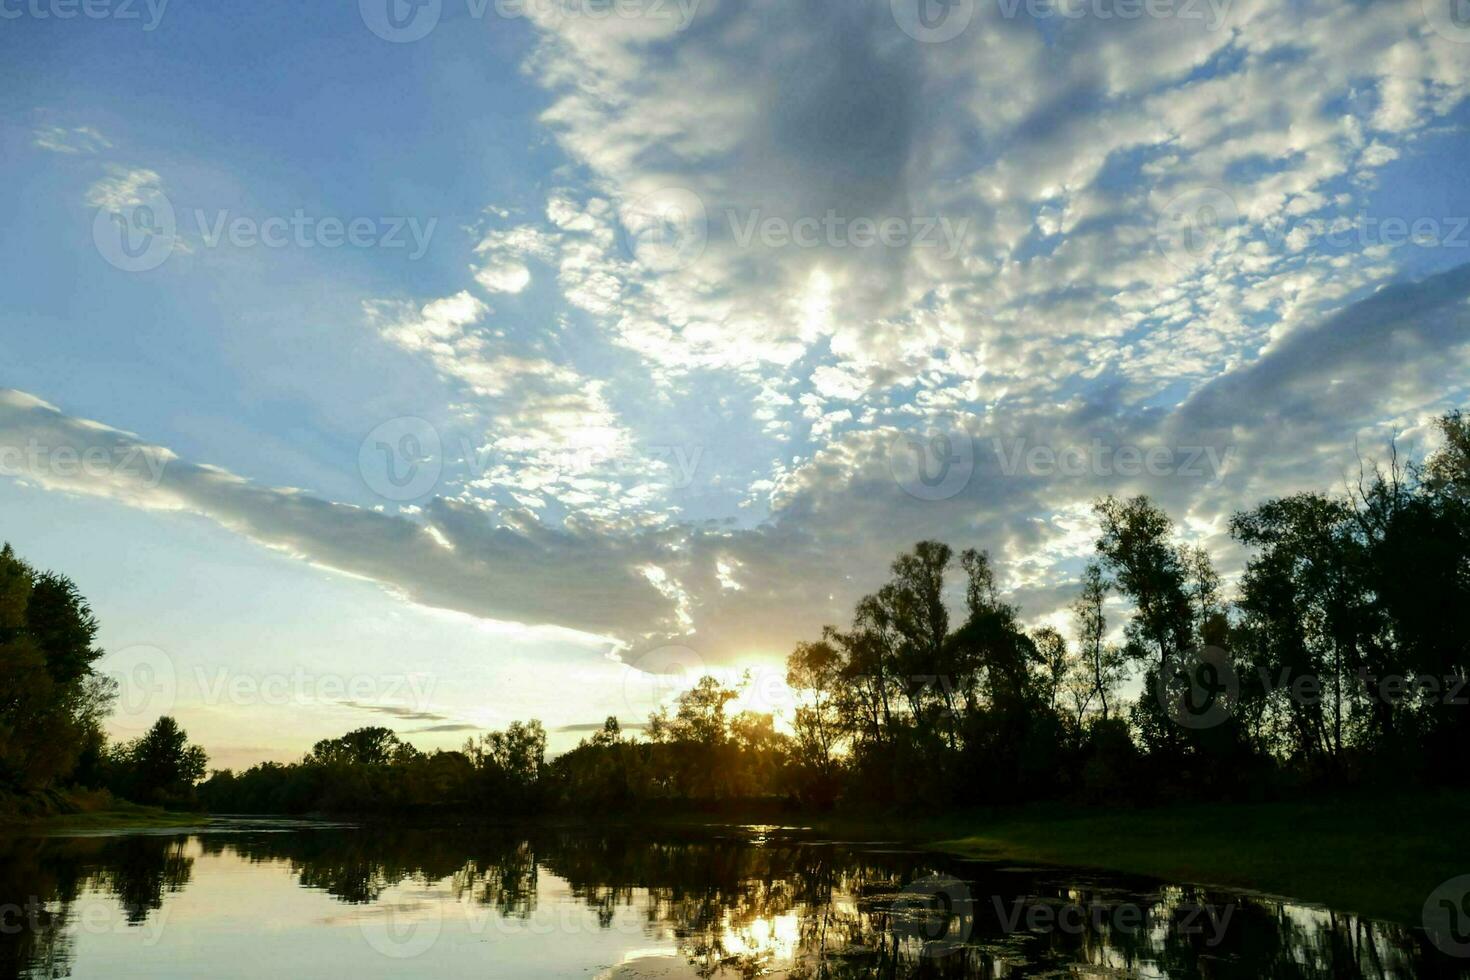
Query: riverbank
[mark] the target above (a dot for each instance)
(85, 811)
(122, 818)
(1376, 857)
(1379, 856)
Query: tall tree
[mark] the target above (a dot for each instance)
(51, 700)
(1306, 612)
(1103, 664)
(1136, 545)
(160, 766)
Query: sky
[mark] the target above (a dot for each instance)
(440, 363)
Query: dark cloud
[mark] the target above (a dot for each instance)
(597, 726)
(396, 711)
(1401, 339)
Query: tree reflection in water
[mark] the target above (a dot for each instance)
(733, 906)
(42, 878)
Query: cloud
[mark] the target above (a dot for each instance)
(397, 711)
(548, 430)
(511, 568)
(78, 140)
(597, 726)
(503, 277)
(1085, 304)
(1285, 420)
(124, 188)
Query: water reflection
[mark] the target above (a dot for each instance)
(744, 904)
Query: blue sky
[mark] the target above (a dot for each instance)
(655, 313)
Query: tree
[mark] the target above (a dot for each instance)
(1447, 471)
(160, 766)
(51, 701)
(1051, 651)
(1303, 600)
(1136, 546)
(993, 657)
(60, 621)
(611, 733)
(370, 746)
(1102, 664)
(510, 765)
(821, 724)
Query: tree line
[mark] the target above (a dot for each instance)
(53, 703)
(1338, 663)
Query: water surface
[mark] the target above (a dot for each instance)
(279, 900)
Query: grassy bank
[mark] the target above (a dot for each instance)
(1378, 857)
(120, 817)
(86, 810)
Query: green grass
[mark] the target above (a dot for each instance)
(121, 817)
(1380, 857)
(86, 810)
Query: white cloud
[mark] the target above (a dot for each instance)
(503, 277)
(125, 187)
(839, 516)
(78, 140)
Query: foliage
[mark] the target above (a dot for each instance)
(158, 767)
(1340, 660)
(51, 700)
